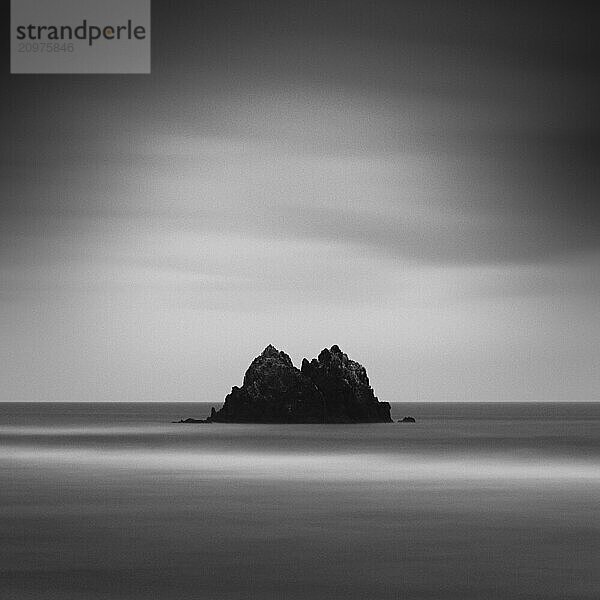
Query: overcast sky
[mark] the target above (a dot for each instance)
(416, 182)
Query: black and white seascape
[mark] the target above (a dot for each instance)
(472, 501)
(309, 312)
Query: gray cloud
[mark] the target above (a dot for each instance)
(414, 181)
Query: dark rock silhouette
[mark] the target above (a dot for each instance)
(274, 391)
(190, 420)
(329, 389)
(407, 420)
(345, 386)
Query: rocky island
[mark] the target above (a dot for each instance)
(328, 389)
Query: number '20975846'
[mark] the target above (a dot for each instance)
(45, 47)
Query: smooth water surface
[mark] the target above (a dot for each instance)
(474, 501)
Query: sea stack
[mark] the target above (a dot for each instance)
(328, 389)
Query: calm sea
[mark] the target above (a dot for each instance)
(474, 501)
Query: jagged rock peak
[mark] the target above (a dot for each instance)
(328, 389)
(345, 386)
(269, 359)
(328, 354)
(273, 391)
(334, 358)
(271, 352)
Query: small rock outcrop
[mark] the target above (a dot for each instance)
(407, 420)
(329, 389)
